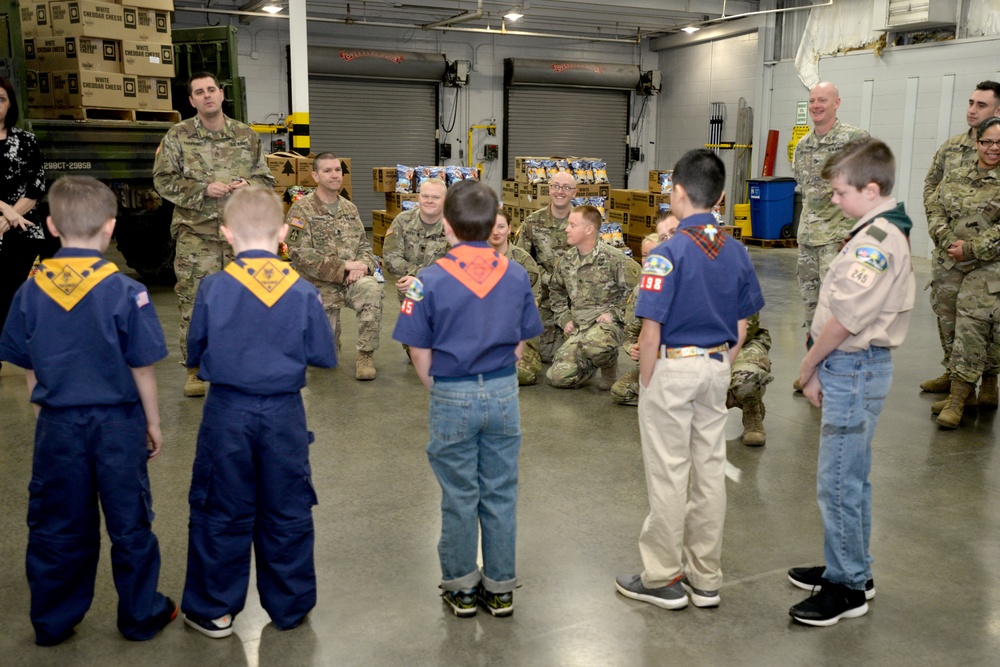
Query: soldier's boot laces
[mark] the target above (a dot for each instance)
(951, 416)
(753, 424)
(988, 395)
(939, 385)
(366, 366)
(608, 376)
(971, 404)
(193, 387)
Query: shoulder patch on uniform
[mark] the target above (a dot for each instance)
(872, 257)
(879, 234)
(416, 291)
(657, 265)
(142, 299)
(297, 222)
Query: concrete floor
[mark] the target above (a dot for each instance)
(936, 539)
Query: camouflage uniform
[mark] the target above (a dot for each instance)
(188, 159)
(544, 237)
(530, 364)
(954, 153)
(410, 245)
(321, 239)
(625, 390)
(581, 289)
(965, 205)
(821, 226)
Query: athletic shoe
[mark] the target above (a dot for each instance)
(671, 596)
(216, 629)
(462, 603)
(832, 603)
(498, 604)
(811, 579)
(699, 596)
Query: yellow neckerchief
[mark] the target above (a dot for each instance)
(267, 278)
(68, 279)
(478, 269)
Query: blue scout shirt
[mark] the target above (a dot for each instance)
(256, 326)
(470, 308)
(80, 326)
(698, 285)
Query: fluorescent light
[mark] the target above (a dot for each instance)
(513, 16)
(272, 9)
(689, 29)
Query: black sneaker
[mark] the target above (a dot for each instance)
(462, 603)
(811, 579)
(832, 603)
(498, 604)
(216, 629)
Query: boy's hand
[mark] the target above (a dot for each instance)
(568, 329)
(633, 352)
(154, 441)
(813, 390)
(403, 283)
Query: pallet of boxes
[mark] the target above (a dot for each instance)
(99, 60)
(293, 176)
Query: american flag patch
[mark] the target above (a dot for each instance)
(142, 299)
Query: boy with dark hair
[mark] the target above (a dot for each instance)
(863, 312)
(467, 318)
(88, 337)
(696, 292)
(251, 482)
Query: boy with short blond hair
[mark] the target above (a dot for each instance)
(863, 313)
(251, 483)
(88, 337)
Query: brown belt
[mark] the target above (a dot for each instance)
(690, 351)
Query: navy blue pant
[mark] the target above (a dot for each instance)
(251, 485)
(82, 455)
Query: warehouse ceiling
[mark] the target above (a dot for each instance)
(586, 19)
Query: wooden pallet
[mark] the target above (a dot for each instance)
(770, 243)
(80, 113)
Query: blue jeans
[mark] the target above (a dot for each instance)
(475, 439)
(855, 385)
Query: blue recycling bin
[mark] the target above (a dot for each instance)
(772, 202)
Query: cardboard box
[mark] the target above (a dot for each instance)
(394, 201)
(380, 222)
(94, 89)
(45, 54)
(650, 204)
(147, 59)
(634, 242)
(303, 170)
(35, 20)
(145, 25)
(621, 200)
(162, 5)
(154, 94)
(593, 190)
(86, 18)
(618, 217)
(654, 180)
(534, 196)
(384, 179)
(378, 241)
(282, 166)
(39, 89)
(347, 192)
(77, 54)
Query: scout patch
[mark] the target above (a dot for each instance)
(267, 279)
(416, 290)
(654, 270)
(872, 257)
(67, 280)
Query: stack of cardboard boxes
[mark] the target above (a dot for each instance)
(521, 198)
(87, 54)
(384, 180)
(294, 171)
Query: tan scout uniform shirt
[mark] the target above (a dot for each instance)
(870, 287)
(322, 238)
(544, 237)
(410, 245)
(584, 287)
(954, 153)
(821, 222)
(190, 157)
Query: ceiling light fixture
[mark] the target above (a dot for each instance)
(272, 9)
(690, 29)
(514, 14)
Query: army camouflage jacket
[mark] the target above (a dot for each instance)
(190, 157)
(584, 287)
(521, 256)
(821, 222)
(633, 324)
(410, 245)
(320, 243)
(951, 155)
(966, 206)
(544, 237)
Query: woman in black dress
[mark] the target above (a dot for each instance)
(22, 184)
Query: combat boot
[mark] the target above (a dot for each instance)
(939, 385)
(193, 387)
(951, 416)
(988, 397)
(971, 405)
(753, 424)
(608, 376)
(366, 366)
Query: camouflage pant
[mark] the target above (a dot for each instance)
(197, 256)
(364, 297)
(814, 261)
(750, 376)
(977, 316)
(946, 285)
(552, 338)
(530, 364)
(583, 353)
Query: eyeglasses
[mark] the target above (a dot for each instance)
(562, 188)
(988, 143)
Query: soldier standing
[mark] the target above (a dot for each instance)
(328, 245)
(543, 235)
(199, 163)
(954, 156)
(588, 291)
(822, 226)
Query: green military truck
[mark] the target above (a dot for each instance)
(120, 152)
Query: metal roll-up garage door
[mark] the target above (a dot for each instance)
(376, 124)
